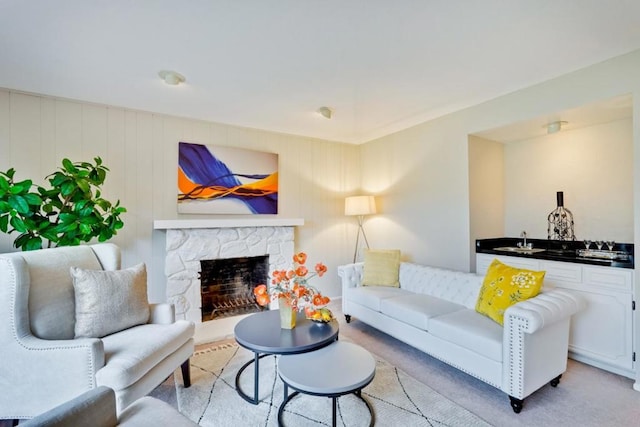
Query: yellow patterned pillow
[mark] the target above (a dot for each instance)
(381, 268)
(504, 286)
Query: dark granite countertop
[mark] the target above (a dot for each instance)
(555, 250)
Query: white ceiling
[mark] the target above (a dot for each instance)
(605, 111)
(381, 65)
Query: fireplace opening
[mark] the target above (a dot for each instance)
(227, 285)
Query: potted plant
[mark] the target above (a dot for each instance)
(72, 211)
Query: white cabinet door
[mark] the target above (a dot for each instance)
(603, 331)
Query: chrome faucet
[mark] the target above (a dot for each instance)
(524, 237)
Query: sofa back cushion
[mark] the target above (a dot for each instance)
(454, 286)
(51, 295)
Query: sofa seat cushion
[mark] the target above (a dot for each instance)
(416, 310)
(470, 330)
(371, 296)
(131, 353)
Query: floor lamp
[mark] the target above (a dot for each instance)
(359, 206)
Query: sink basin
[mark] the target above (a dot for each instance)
(519, 250)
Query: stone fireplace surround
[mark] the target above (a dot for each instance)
(189, 241)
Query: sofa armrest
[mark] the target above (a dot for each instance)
(351, 275)
(96, 407)
(61, 369)
(162, 314)
(545, 309)
(536, 341)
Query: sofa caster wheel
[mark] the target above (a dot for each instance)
(554, 382)
(516, 404)
(347, 317)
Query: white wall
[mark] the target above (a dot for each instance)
(422, 174)
(141, 150)
(486, 190)
(593, 166)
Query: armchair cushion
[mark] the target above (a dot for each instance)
(109, 301)
(132, 353)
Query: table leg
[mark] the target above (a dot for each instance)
(333, 413)
(256, 375)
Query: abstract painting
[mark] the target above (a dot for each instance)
(226, 180)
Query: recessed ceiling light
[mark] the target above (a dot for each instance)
(325, 112)
(556, 126)
(171, 77)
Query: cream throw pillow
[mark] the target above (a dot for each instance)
(381, 267)
(109, 301)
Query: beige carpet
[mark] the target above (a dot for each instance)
(396, 398)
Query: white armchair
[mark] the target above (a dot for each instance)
(43, 365)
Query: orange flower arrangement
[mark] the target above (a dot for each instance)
(293, 285)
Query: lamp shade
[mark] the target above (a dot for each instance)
(359, 205)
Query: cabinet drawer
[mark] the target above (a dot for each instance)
(484, 260)
(608, 277)
(561, 272)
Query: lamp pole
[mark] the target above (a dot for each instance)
(360, 230)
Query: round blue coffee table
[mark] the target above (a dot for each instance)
(261, 333)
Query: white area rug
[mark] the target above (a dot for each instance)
(397, 399)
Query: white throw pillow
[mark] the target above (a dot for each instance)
(109, 301)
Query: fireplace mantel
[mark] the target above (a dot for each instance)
(174, 224)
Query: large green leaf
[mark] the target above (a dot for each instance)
(4, 185)
(67, 188)
(21, 241)
(17, 223)
(85, 229)
(20, 187)
(68, 166)
(33, 244)
(67, 218)
(4, 223)
(4, 206)
(83, 184)
(33, 199)
(10, 173)
(19, 203)
(58, 179)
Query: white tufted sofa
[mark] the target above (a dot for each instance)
(434, 310)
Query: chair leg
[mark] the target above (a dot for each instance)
(186, 374)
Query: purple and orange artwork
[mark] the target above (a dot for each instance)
(226, 180)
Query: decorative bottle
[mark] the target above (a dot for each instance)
(560, 221)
